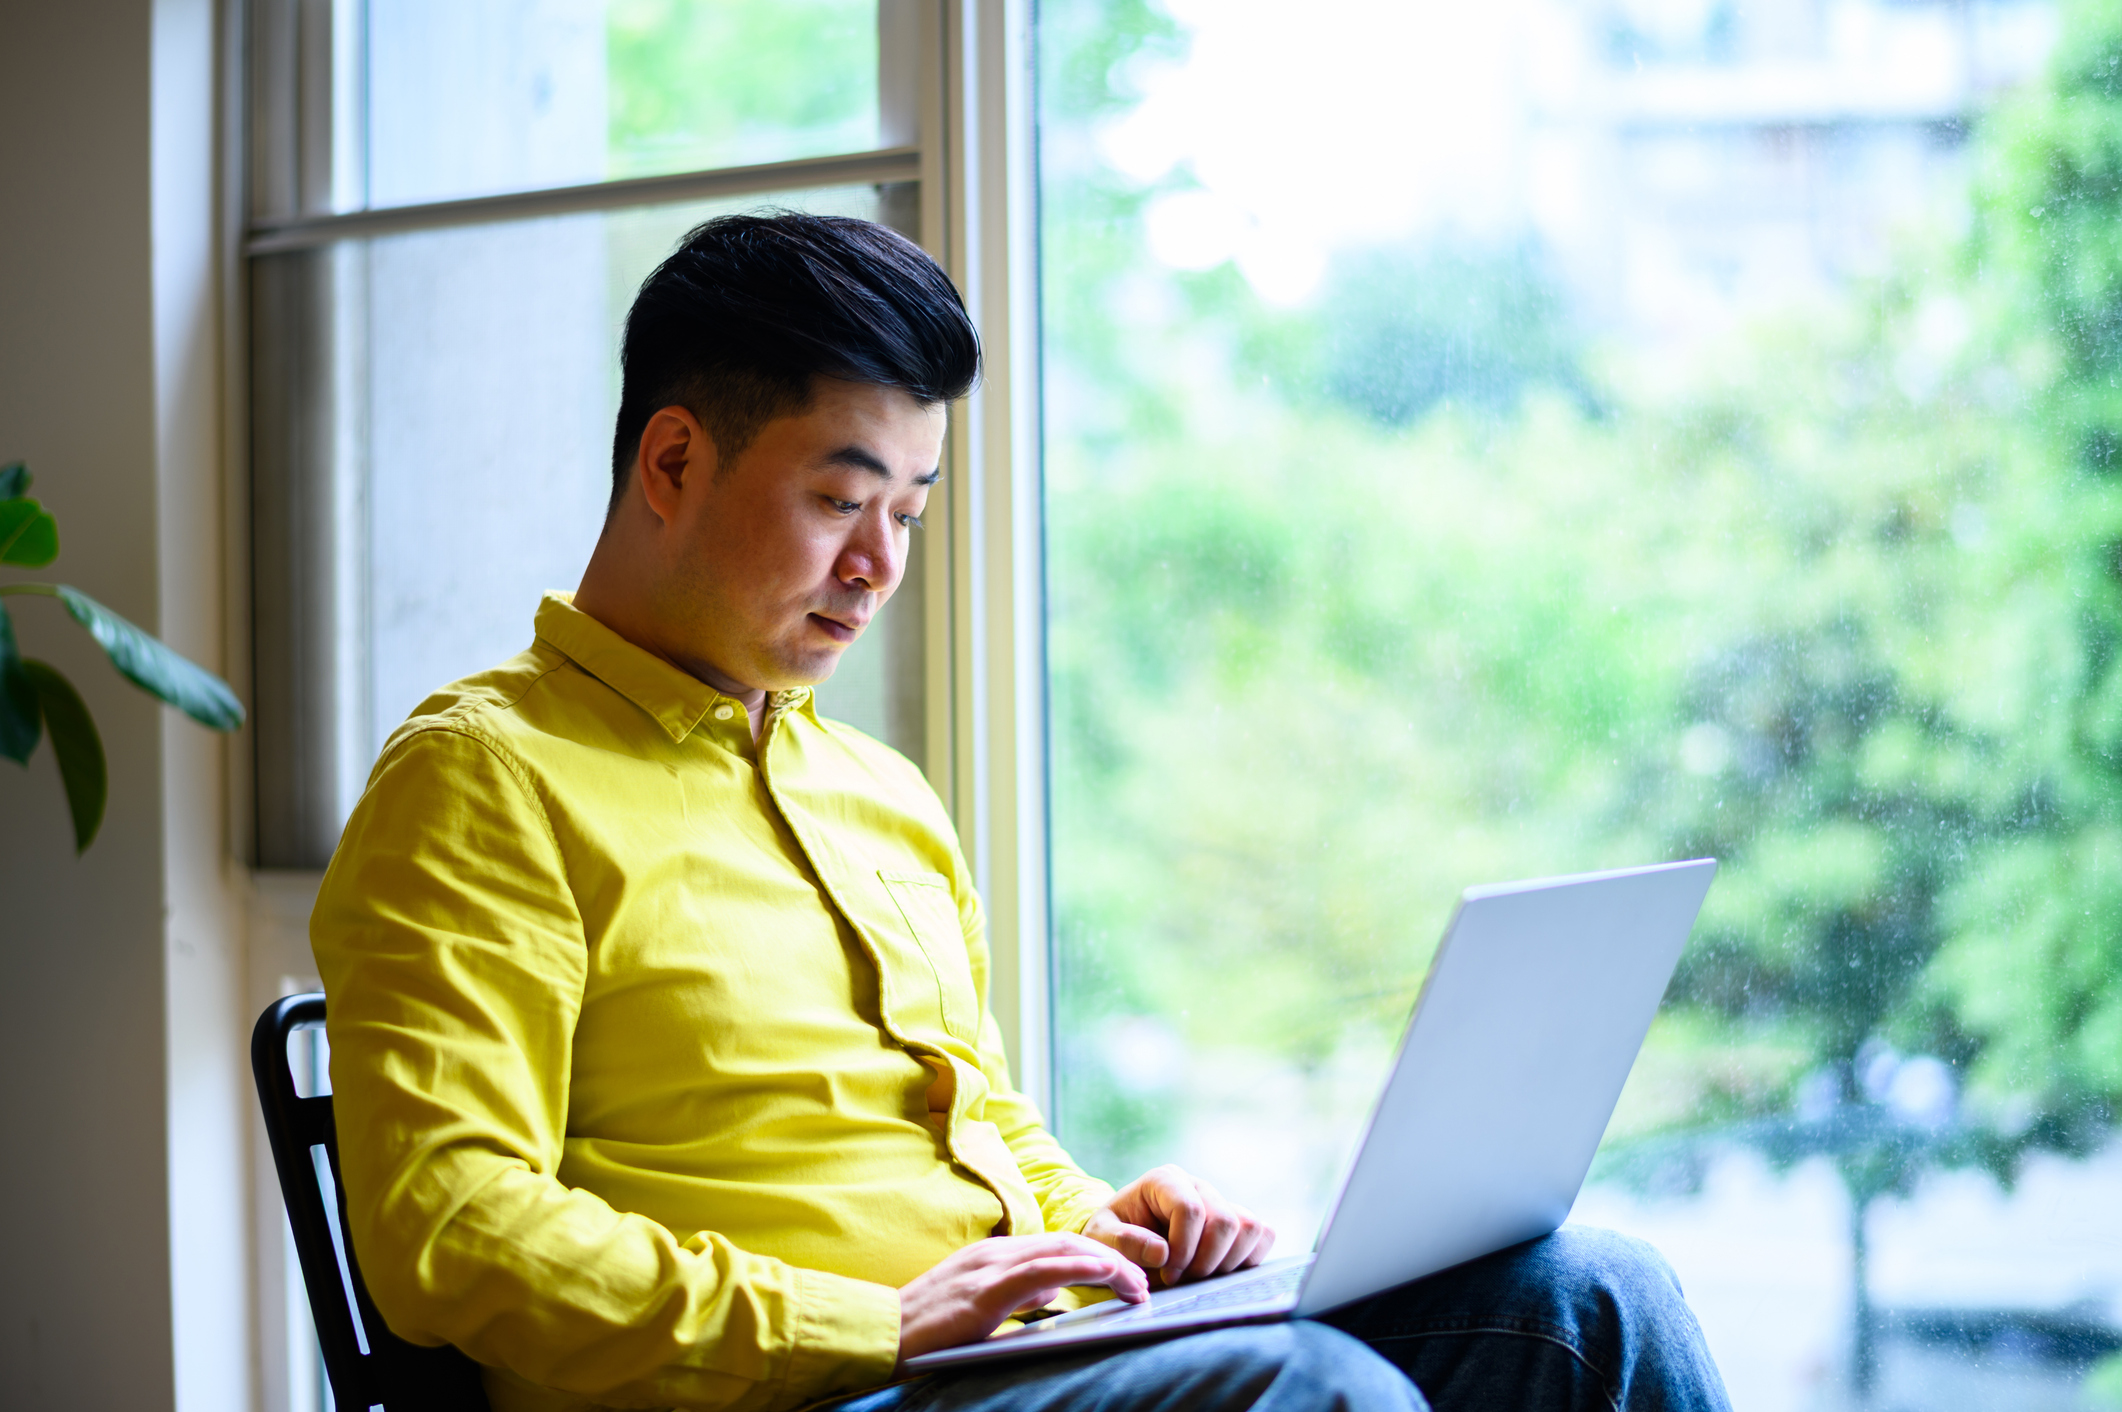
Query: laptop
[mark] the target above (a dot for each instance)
(1526, 1027)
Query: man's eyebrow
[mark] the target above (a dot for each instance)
(862, 460)
(859, 459)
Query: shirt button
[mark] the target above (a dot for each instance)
(725, 711)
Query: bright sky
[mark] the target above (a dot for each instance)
(1344, 122)
(1335, 123)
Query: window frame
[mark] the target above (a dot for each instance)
(956, 93)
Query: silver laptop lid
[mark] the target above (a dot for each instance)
(1536, 1003)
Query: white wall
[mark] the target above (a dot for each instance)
(123, 1120)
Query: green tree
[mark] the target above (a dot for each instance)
(1933, 843)
(697, 85)
(1842, 610)
(2033, 970)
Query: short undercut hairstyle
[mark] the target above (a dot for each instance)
(737, 324)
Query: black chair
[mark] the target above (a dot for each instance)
(368, 1365)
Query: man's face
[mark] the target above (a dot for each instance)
(779, 559)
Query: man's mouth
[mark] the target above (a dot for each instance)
(838, 631)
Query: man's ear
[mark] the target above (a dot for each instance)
(676, 453)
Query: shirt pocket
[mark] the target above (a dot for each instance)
(930, 909)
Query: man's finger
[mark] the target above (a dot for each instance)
(1037, 1299)
(1263, 1246)
(1251, 1246)
(1183, 1216)
(1015, 1250)
(1219, 1232)
(1223, 1213)
(1012, 1288)
(1098, 1249)
(1145, 1247)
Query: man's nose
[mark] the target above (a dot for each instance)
(873, 558)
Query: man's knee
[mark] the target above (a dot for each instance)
(1610, 1296)
(1590, 1269)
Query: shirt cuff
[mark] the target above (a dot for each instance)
(847, 1335)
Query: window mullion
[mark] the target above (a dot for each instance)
(978, 224)
(882, 167)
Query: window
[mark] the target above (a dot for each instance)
(1476, 442)
(1492, 441)
(546, 95)
(452, 207)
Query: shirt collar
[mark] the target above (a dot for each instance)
(800, 698)
(676, 699)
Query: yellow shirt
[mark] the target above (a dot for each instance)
(659, 1059)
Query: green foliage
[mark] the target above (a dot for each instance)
(738, 82)
(1355, 605)
(154, 668)
(29, 538)
(77, 747)
(1400, 330)
(21, 720)
(35, 700)
(34, 697)
(2054, 184)
(2033, 919)
(2103, 1385)
(1091, 56)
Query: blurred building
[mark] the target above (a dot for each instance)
(1694, 161)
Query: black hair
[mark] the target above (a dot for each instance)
(737, 323)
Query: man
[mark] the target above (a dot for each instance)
(658, 1004)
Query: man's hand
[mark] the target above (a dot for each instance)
(1180, 1227)
(966, 1295)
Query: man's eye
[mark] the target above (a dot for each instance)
(845, 507)
(910, 521)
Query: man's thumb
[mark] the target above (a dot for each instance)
(1145, 1247)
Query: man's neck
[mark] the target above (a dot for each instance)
(753, 698)
(608, 603)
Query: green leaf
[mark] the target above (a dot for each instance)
(14, 481)
(28, 536)
(79, 748)
(20, 725)
(155, 668)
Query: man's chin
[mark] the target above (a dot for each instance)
(813, 666)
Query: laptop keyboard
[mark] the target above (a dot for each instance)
(1261, 1287)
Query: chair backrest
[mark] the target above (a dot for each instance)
(369, 1366)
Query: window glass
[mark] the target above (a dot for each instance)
(1495, 441)
(484, 96)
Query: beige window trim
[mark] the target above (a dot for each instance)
(984, 596)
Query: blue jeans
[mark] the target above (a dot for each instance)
(1582, 1319)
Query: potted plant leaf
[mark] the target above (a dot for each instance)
(35, 700)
